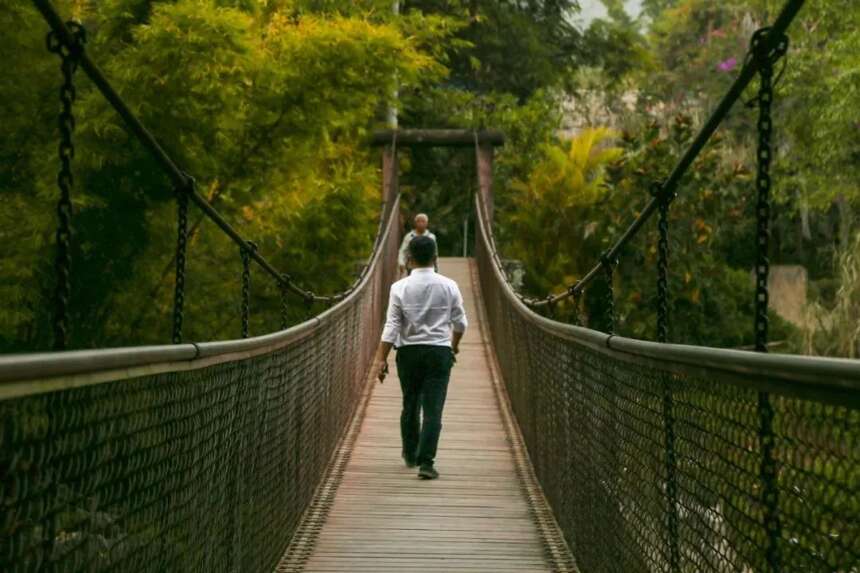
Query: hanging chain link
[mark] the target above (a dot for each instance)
(246, 287)
(66, 120)
(309, 307)
(664, 200)
(284, 286)
(766, 61)
(608, 269)
(768, 470)
(576, 296)
(662, 261)
(181, 249)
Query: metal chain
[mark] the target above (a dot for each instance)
(576, 296)
(181, 248)
(285, 291)
(762, 266)
(309, 307)
(662, 262)
(610, 295)
(763, 183)
(246, 287)
(671, 461)
(66, 120)
(768, 469)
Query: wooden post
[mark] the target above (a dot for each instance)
(390, 174)
(484, 164)
(436, 137)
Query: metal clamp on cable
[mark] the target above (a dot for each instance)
(762, 52)
(188, 187)
(766, 58)
(606, 261)
(659, 192)
(78, 37)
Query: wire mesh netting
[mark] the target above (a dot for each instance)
(200, 469)
(652, 468)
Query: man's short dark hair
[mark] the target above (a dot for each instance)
(422, 249)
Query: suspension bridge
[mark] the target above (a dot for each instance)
(564, 449)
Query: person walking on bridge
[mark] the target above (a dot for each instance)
(421, 222)
(426, 319)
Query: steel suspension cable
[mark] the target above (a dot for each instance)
(66, 39)
(769, 42)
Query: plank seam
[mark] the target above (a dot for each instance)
(555, 545)
(307, 533)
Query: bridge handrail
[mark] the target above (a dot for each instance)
(182, 458)
(836, 378)
(52, 369)
(669, 457)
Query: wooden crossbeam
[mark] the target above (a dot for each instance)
(437, 137)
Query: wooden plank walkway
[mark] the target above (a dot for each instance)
(485, 513)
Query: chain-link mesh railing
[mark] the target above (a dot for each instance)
(641, 482)
(206, 466)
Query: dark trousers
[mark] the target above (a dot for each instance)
(424, 372)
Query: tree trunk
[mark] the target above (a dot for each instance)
(845, 222)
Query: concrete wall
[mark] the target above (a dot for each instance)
(787, 285)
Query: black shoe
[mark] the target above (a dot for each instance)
(409, 461)
(428, 472)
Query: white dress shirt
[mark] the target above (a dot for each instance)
(404, 246)
(423, 308)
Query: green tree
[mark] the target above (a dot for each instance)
(268, 109)
(570, 210)
(617, 48)
(550, 216)
(513, 47)
(836, 331)
(442, 181)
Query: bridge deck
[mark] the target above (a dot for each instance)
(485, 513)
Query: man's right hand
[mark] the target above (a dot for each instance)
(379, 370)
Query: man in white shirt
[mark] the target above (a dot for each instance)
(427, 320)
(421, 222)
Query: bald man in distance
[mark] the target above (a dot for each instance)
(420, 224)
